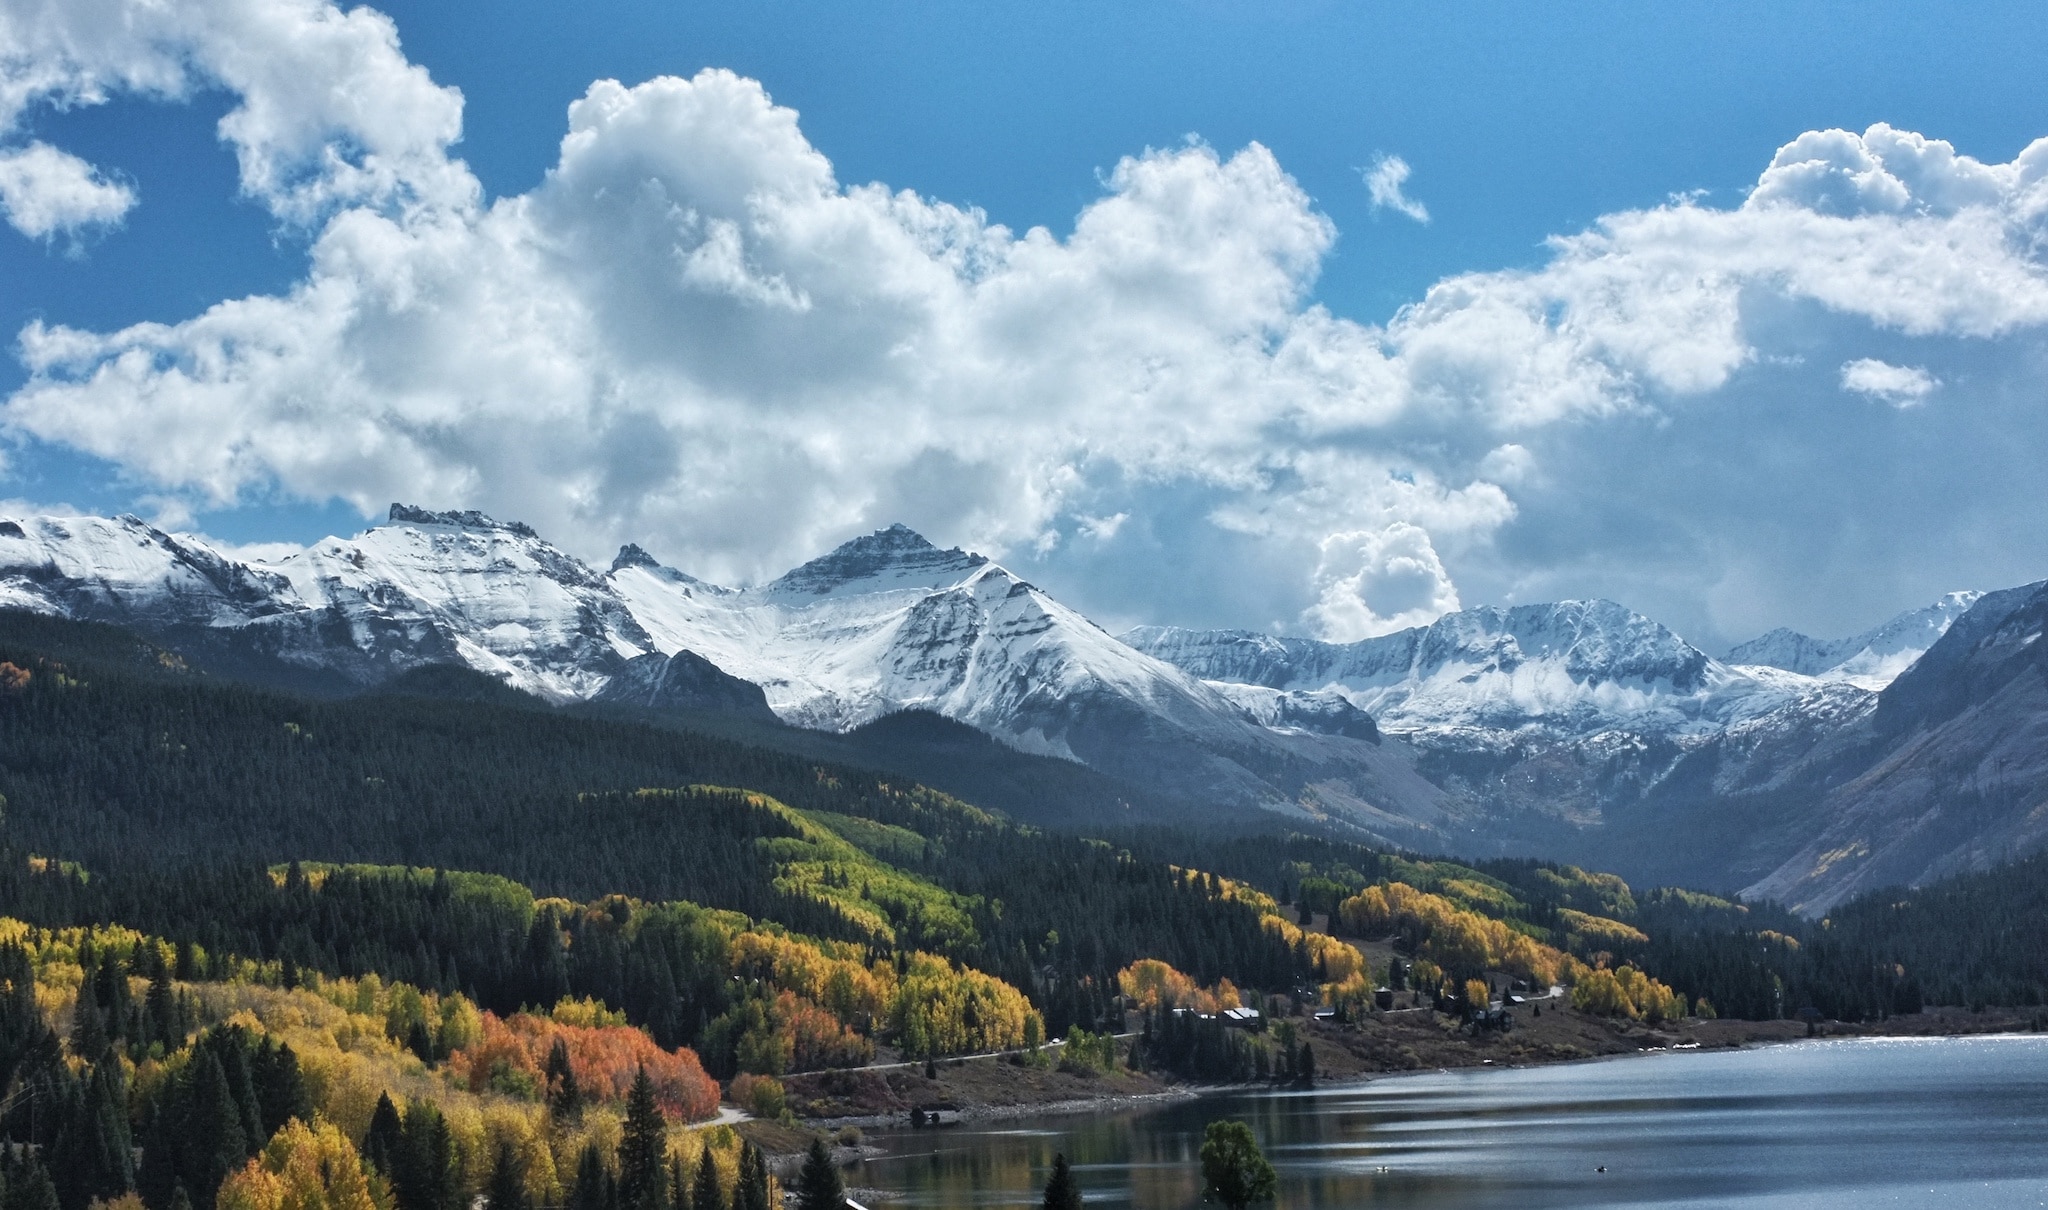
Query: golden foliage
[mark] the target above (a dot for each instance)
(1599, 930)
(1450, 936)
(1626, 992)
(303, 1168)
(1153, 984)
(943, 1009)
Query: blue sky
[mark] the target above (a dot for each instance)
(1786, 446)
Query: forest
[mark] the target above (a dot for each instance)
(460, 943)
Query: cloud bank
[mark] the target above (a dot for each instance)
(693, 335)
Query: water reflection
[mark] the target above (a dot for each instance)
(1960, 1122)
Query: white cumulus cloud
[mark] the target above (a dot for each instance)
(692, 334)
(46, 191)
(1900, 386)
(1384, 182)
(1375, 582)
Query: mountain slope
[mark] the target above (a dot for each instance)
(1958, 774)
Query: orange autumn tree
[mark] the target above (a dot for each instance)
(513, 1054)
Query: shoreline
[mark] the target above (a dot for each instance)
(1346, 1057)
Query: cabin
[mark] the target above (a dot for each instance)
(1243, 1018)
(935, 1113)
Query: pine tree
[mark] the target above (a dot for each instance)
(507, 1189)
(214, 1143)
(641, 1147)
(752, 1190)
(163, 1022)
(705, 1194)
(565, 1100)
(281, 1092)
(678, 1184)
(818, 1186)
(29, 1188)
(107, 1157)
(592, 1190)
(382, 1145)
(1062, 1192)
(426, 1178)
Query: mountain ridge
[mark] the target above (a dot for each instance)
(1575, 729)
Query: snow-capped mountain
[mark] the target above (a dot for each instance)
(1797, 768)
(883, 623)
(1870, 660)
(1570, 669)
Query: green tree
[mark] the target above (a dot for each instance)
(214, 1143)
(381, 1146)
(817, 1186)
(1234, 1170)
(29, 1187)
(565, 1100)
(593, 1189)
(1062, 1191)
(678, 1184)
(752, 1191)
(426, 1177)
(642, 1147)
(281, 1092)
(507, 1190)
(705, 1194)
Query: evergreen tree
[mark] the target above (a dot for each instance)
(818, 1186)
(29, 1187)
(507, 1189)
(565, 1100)
(642, 1147)
(752, 1190)
(705, 1194)
(678, 1184)
(163, 1024)
(426, 1177)
(102, 1163)
(88, 1024)
(214, 1143)
(386, 1139)
(593, 1188)
(281, 1092)
(1062, 1191)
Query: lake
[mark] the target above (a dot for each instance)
(1952, 1122)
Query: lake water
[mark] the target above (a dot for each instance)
(1960, 1123)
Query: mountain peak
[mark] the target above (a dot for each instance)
(468, 518)
(630, 555)
(898, 551)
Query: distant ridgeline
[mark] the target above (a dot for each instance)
(249, 860)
